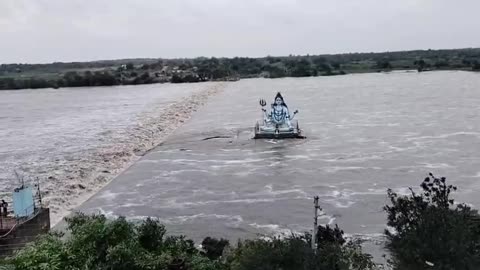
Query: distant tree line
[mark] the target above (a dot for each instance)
(77, 79)
(141, 71)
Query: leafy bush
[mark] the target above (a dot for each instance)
(98, 243)
(213, 248)
(295, 252)
(431, 230)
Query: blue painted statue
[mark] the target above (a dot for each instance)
(277, 122)
(279, 115)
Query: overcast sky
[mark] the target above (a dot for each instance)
(37, 31)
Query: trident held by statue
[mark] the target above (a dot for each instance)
(263, 103)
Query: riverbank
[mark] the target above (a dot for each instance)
(148, 71)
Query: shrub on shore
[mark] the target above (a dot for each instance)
(98, 243)
(295, 252)
(431, 231)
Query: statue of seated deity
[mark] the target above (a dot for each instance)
(279, 117)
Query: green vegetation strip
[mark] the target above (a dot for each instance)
(146, 71)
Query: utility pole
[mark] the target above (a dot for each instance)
(315, 221)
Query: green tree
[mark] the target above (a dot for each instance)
(38, 83)
(441, 64)
(103, 78)
(431, 230)
(319, 60)
(97, 243)
(421, 65)
(214, 248)
(295, 252)
(324, 67)
(275, 71)
(301, 68)
(384, 64)
(73, 79)
(336, 65)
(129, 66)
(145, 76)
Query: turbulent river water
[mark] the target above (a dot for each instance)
(365, 133)
(76, 140)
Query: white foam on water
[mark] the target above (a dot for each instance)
(275, 163)
(477, 175)
(177, 172)
(242, 161)
(231, 220)
(403, 191)
(184, 219)
(370, 191)
(174, 204)
(203, 191)
(298, 157)
(444, 136)
(288, 191)
(267, 152)
(323, 216)
(339, 204)
(218, 167)
(334, 169)
(436, 165)
(244, 173)
(108, 195)
(269, 191)
(167, 160)
(107, 213)
(348, 194)
(370, 237)
(274, 229)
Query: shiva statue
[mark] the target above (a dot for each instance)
(279, 116)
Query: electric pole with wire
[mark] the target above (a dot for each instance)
(315, 221)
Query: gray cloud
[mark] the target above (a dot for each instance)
(74, 30)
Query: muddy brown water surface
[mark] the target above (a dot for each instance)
(365, 133)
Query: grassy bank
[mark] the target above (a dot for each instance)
(145, 71)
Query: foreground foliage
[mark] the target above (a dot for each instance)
(431, 231)
(97, 243)
(295, 252)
